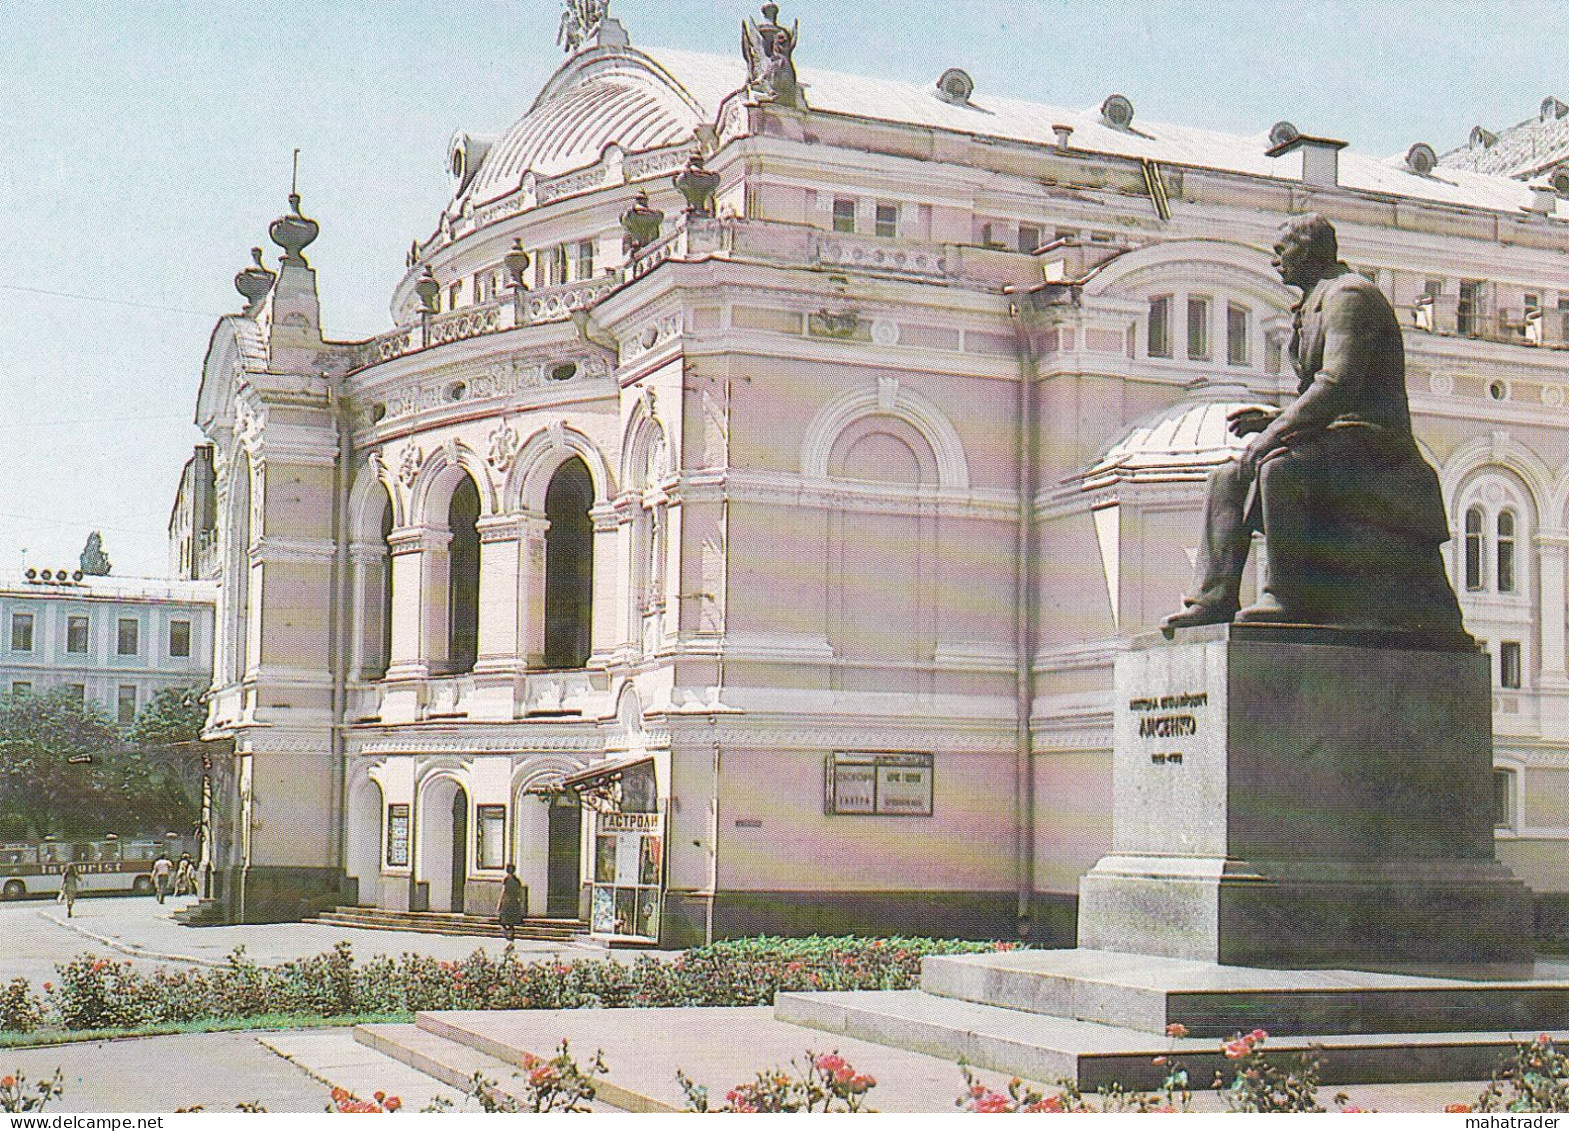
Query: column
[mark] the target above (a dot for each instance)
(1550, 547)
(610, 582)
(410, 546)
(531, 588)
(500, 574)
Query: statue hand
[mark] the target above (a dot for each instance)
(1250, 419)
(1258, 450)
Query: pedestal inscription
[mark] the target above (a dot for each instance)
(1303, 797)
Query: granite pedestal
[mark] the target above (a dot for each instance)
(1305, 797)
(1302, 843)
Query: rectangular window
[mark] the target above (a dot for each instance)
(1432, 288)
(129, 639)
(558, 265)
(180, 638)
(1029, 238)
(1509, 664)
(21, 632)
(583, 263)
(887, 220)
(1198, 328)
(490, 844)
(889, 785)
(844, 214)
(1563, 319)
(1503, 799)
(1236, 335)
(125, 705)
(1159, 338)
(21, 687)
(1532, 302)
(1469, 311)
(76, 635)
(453, 293)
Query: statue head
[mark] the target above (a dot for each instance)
(1306, 250)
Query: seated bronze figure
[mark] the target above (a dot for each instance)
(1351, 513)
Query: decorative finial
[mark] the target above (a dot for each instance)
(697, 184)
(428, 290)
(294, 232)
(254, 282)
(640, 224)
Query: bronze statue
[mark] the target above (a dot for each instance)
(1351, 512)
(768, 48)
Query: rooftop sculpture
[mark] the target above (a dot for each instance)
(768, 48)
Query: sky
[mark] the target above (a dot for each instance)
(145, 145)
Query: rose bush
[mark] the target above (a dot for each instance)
(96, 993)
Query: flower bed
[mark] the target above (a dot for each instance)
(91, 992)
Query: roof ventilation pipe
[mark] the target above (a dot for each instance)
(1064, 135)
(1320, 158)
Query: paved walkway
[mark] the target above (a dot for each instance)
(35, 934)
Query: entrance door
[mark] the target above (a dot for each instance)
(561, 888)
(460, 844)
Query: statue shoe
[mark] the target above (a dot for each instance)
(1195, 615)
(1268, 610)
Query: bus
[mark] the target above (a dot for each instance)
(106, 864)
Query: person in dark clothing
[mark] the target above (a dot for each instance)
(510, 909)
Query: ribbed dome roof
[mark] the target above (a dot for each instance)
(1183, 442)
(602, 96)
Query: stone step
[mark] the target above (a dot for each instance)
(450, 923)
(448, 1061)
(1036, 1046)
(718, 1047)
(1149, 993)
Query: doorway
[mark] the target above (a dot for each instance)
(564, 870)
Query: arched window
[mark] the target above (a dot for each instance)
(463, 578)
(569, 566)
(385, 652)
(1475, 550)
(1504, 552)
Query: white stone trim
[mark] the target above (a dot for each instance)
(915, 409)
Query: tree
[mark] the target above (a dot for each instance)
(167, 735)
(94, 562)
(64, 771)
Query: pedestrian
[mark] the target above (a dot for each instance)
(510, 909)
(70, 885)
(163, 871)
(185, 876)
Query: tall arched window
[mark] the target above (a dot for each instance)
(463, 578)
(569, 566)
(1475, 550)
(386, 585)
(1504, 552)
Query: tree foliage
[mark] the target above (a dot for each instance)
(172, 718)
(65, 772)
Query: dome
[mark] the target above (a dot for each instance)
(603, 96)
(1183, 442)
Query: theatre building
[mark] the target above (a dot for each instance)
(752, 557)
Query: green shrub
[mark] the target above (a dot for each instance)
(93, 992)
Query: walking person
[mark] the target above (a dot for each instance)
(185, 876)
(510, 909)
(163, 872)
(70, 886)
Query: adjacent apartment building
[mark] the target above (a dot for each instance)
(114, 641)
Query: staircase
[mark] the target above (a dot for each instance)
(206, 913)
(535, 928)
